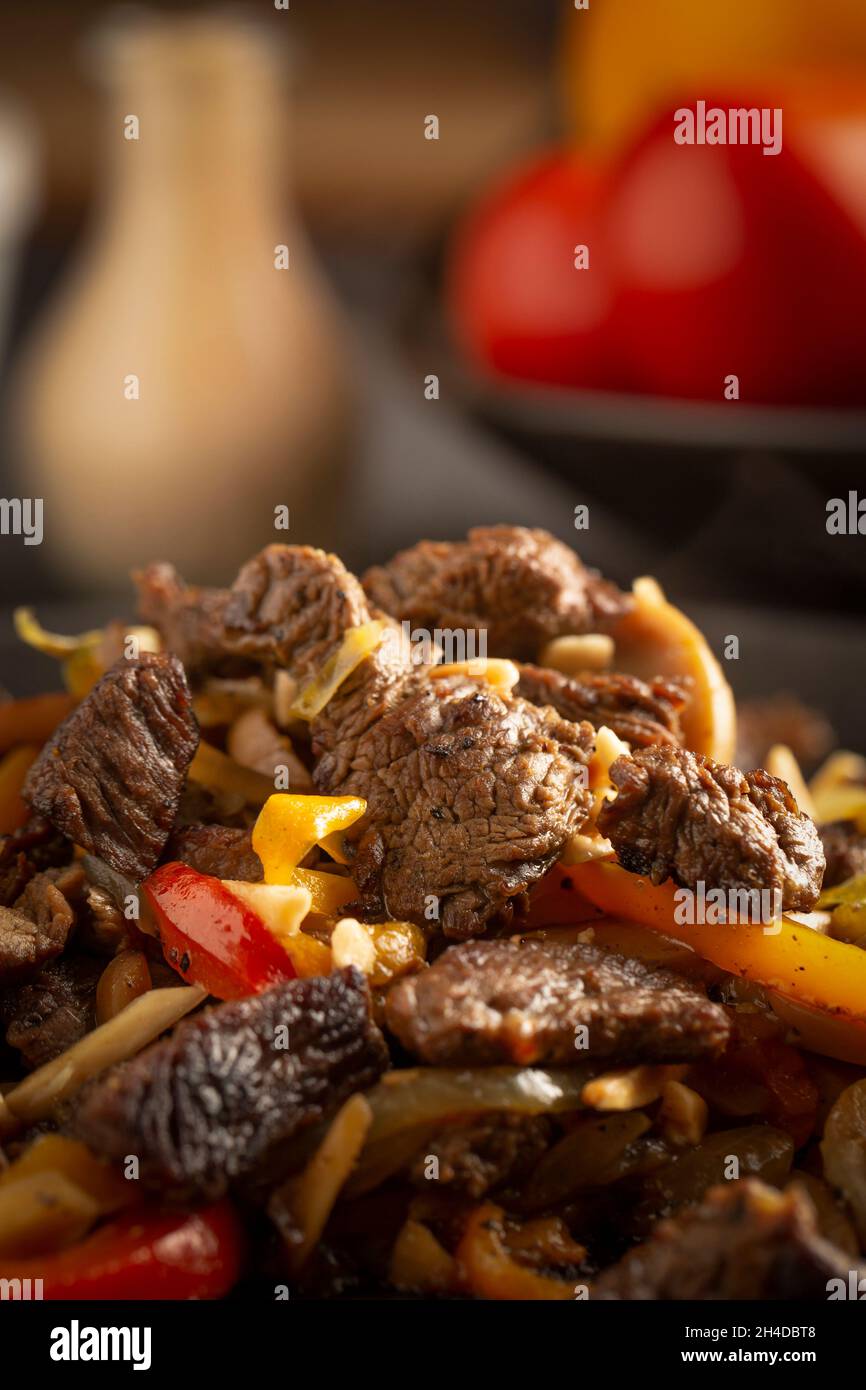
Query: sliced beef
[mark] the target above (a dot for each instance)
(24, 852)
(478, 1156)
(53, 1010)
(521, 586)
(782, 718)
(289, 607)
(111, 776)
(640, 713)
(218, 1102)
(845, 851)
(744, 1241)
(682, 816)
(221, 850)
(36, 928)
(499, 1001)
(470, 795)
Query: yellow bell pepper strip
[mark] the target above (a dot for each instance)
(289, 826)
(218, 772)
(13, 770)
(799, 963)
(358, 643)
(655, 639)
(329, 893)
(32, 720)
(83, 656)
(486, 1266)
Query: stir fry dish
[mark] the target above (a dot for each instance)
(421, 936)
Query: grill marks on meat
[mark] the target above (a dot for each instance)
(490, 1002)
(845, 851)
(522, 586)
(53, 1010)
(682, 816)
(470, 799)
(478, 1156)
(289, 607)
(37, 927)
(640, 713)
(220, 850)
(744, 1241)
(111, 776)
(219, 1101)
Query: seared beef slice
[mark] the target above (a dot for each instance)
(521, 586)
(845, 848)
(501, 1001)
(682, 816)
(744, 1241)
(217, 1102)
(639, 713)
(35, 929)
(112, 775)
(289, 607)
(470, 795)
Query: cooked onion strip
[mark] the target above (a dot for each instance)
(630, 1088)
(302, 1205)
(356, 646)
(122, 1037)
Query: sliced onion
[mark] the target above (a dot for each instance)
(122, 1037)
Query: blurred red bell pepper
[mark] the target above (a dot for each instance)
(146, 1253)
(210, 937)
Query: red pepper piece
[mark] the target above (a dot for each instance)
(147, 1253)
(210, 937)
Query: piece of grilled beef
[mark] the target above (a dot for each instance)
(27, 850)
(36, 928)
(845, 851)
(744, 1241)
(221, 850)
(471, 796)
(538, 1002)
(639, 712)
(474, 1157)
(521, 586)
(219, 1102)
(52, 1010)
(682, 816)
(111, 776)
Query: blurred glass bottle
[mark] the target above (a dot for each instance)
(191, 376)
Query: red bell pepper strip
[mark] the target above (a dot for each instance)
(210, 937)
(147, 1253)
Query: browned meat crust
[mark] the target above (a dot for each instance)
(218, 1102)
(477, 1156)
(289, 607)
(54, 1009)
(522, 586)
(470, 799)
(745, 1240)
(221, 850)
(36, 845)
(497, 1001)
(37, 927)
(111, 776)
(639, 713)
(845, 851)
(682, 816)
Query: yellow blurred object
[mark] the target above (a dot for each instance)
(13, 770)
(308, 956)
(496, 671)
(623, 62)
(329, 893)
(83, 657)
(43, 1211)
(382, 950)
(838, 789)
(655, 639)
(289, 826)
(358, 643)
(56, 1153)
(32, 720)
(220, 773)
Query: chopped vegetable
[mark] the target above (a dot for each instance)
(655, 639)
(57, 1153)
(591, 651)
(13, 770)
(629, 1088)
(383, 950)
(419, 1263)
(146, 1253)
(212, 938)
(683, 1115)
(847, 902)
(84, 657)
(598, 1151)
(838, 790)
(282, 907)
(220, 773)
(124, 1035)
(358, 643)
(301, 1207)
(41, 1211)
(124, 978)
(289, 826)
(32, 720)
(488, 1269)
(843, 1150)
(801, 964)
(497, 672)
(329, 893)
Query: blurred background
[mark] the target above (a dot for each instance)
(328, 257)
